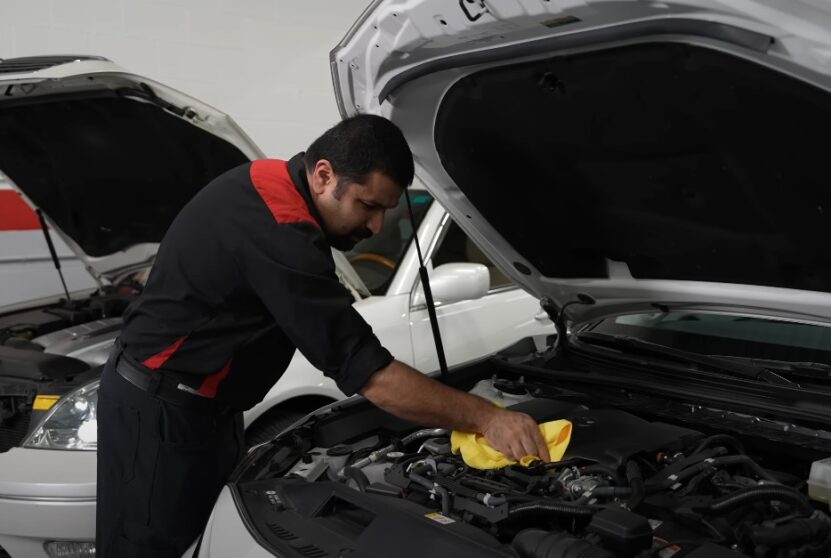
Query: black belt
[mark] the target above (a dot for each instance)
(167, 389)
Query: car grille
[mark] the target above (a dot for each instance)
(13, 430)
(35, 63)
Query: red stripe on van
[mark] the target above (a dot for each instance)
(15, 214)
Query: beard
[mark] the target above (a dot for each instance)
(347, 242)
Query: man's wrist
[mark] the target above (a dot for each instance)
(486, 415)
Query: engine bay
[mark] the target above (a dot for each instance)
(28, 329)
(627, 486)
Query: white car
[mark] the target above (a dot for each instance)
(110, 157)
(656, 174)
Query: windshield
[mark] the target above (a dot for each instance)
(726, 334)
(376, 259)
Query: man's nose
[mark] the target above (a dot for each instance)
(376, 222)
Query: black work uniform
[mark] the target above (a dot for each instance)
(243, 277)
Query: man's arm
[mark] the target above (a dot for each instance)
(406, 393)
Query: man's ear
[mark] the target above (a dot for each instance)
(322, 177)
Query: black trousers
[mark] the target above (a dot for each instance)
(160, 469)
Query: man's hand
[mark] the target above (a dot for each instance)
(516, 435)
(408, 394)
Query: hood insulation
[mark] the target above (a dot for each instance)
(109, 171)
(682, 161)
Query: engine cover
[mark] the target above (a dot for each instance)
(607, 436)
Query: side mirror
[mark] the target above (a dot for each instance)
(454, 282)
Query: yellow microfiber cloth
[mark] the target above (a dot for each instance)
(477, 453)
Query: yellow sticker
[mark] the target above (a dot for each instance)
(45, 402)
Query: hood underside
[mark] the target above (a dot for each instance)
(109, 171)
(670, 157)
(110, 158)
(679, 161)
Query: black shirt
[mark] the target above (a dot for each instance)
(244, 276)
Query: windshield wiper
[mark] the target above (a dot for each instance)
(631, 344)
(808, 370)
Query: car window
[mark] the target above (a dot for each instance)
(377, 258)
(727, 334)
(456, 247)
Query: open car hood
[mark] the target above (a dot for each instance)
(108, 157)
(644, 153)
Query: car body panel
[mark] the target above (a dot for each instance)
(401, 58)
(44, 496)
(226, 534)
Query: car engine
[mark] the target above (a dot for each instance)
(626, 487)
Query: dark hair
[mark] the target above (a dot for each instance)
(361, 144)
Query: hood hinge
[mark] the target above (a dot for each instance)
(558, 316)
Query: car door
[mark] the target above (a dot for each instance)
(474, 328)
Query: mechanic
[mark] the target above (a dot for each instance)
(243, 277)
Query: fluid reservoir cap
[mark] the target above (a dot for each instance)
(339, 451)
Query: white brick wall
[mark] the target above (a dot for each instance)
(265, 62)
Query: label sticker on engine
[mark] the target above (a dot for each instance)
(439, 518)
(667, 549)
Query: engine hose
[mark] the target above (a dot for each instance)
(372, 457)
(795, 531)
(635, 479)
(764, 492)
(696, 481)
(745, 460)
(720, 439)
(381, 453)
(686, 463)
(358, 476)
(557, 508)
(426, 433)
(536, 543)
(689, 472)
(433, 487)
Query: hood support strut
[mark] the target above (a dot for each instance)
(53, 253)
(428, 293)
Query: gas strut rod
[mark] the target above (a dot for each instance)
(428, 293)
(52, 251)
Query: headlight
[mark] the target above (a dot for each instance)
(71, 424)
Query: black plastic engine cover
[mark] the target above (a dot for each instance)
(621, 530)
(37, 366)
(608, 436)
